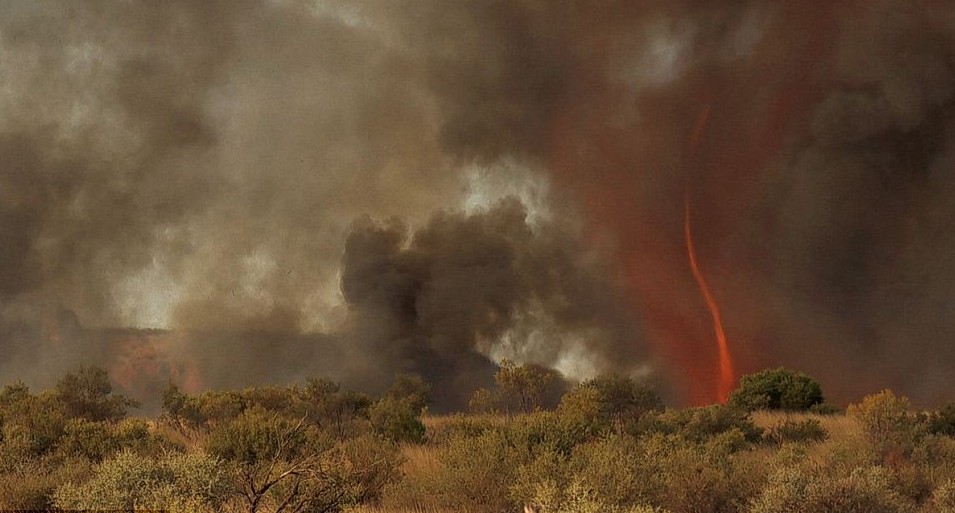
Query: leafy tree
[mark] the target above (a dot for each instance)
(525, 382)
(777, 389)
(89, 394)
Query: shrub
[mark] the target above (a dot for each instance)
(700, 424)
(777, 389)
(798, 431)
(31, 486)
(363, 467)
(474, 475)
(397, 420)
(942, 422)
(611, 401)
(886, 420)
(798, 490)
(180, 482)
(579, 498)
(90, 439)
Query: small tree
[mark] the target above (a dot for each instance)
(525, 382)
(88, 394)
(411, 388)
(777, 389)
(332, 409)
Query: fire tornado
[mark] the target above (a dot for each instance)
(727, 375)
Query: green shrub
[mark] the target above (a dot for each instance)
(777, 389)
(32, 425)
(484, 401)
(397, 419)
(257, 436)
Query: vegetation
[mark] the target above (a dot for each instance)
(609, 446)
(777, 389)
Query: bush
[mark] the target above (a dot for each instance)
(89, 439)
(701, 424)
(363, 467)
(798, 431)
(179, 482)
(397, 420)
(777, 389)
(474, 475)
(611, 401)
(31, 486)
(798, 490)
(942, 422)
(886, 420)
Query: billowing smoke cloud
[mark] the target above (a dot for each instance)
(465, 286)
(199, 166)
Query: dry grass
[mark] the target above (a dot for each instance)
(438, 422)
(419, 460)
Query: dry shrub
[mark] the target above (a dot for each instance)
(805, 489)
(798, 431)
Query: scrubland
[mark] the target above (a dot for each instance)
(610, 445)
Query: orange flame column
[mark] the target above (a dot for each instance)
(727, 377)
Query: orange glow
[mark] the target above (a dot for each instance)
(727, 376)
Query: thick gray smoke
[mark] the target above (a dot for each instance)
(464, 286)
(198, 167)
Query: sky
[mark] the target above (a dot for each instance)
(285, 188)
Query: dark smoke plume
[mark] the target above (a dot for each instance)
(463, 287)
(196, 169)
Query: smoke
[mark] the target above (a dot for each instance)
(198, 168)
(462, 286)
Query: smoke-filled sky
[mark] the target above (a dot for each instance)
(360, 188)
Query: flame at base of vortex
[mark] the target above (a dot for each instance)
(727, 376)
